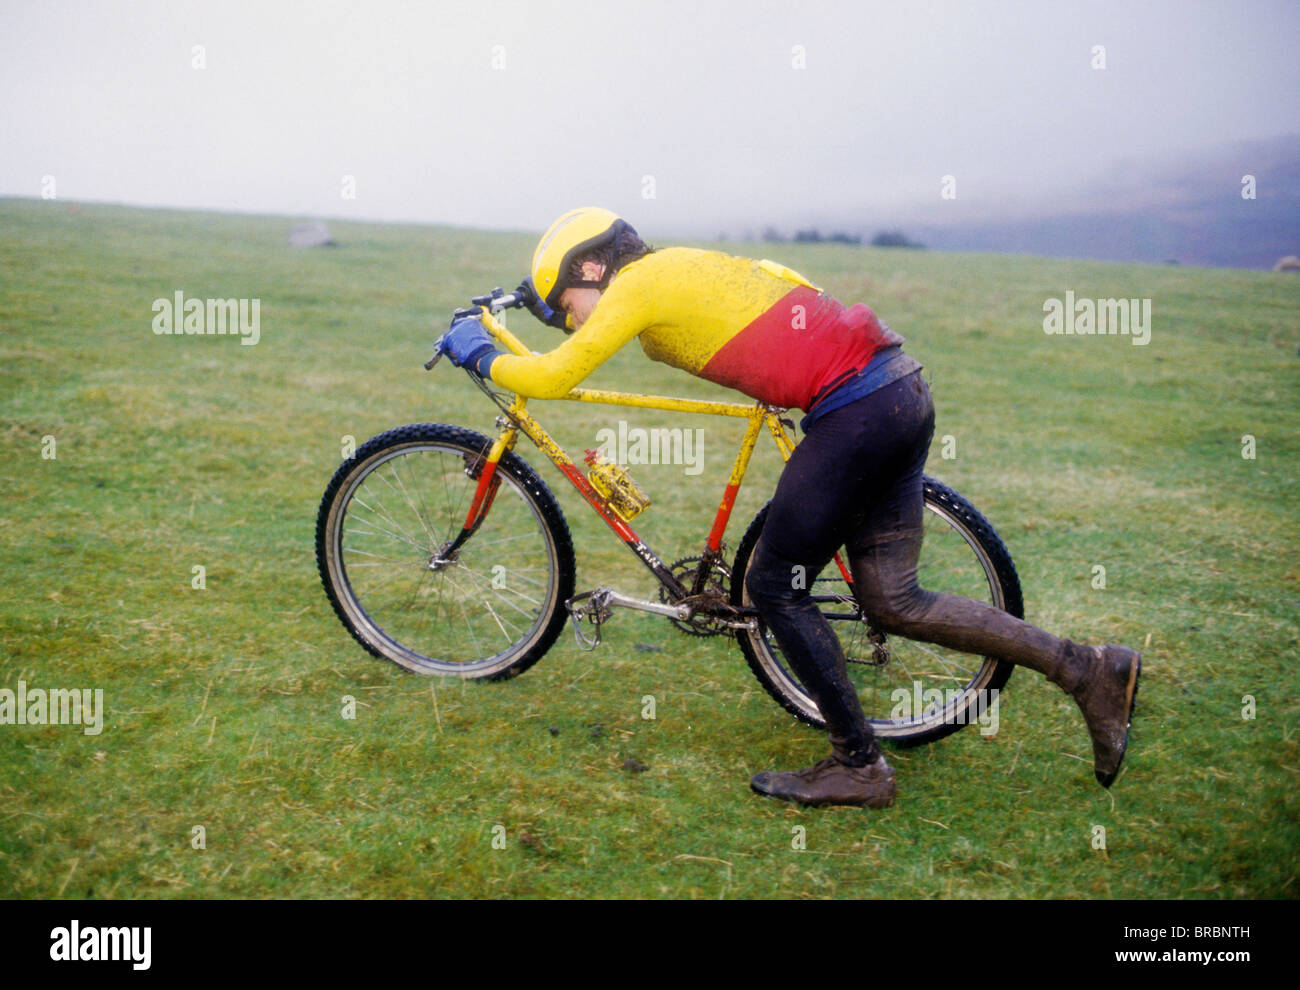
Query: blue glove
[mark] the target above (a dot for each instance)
(468, 344)
(537, 306)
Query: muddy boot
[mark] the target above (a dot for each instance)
(832, 782)
(1103, 680)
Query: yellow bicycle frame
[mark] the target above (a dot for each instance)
(520, 420)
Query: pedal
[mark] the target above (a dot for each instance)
(592, 606)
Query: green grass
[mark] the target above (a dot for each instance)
(223, 705)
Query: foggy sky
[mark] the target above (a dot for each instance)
(504, 115)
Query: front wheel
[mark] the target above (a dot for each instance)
(911, 692)
(489, 608)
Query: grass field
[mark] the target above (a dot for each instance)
(223, 704)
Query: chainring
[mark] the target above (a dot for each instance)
(716, 591)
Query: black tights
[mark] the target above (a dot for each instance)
(855, 481)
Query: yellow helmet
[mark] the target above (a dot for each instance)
(573, 235)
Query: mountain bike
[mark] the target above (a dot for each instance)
(442, 550)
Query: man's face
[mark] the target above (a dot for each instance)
(579, 303)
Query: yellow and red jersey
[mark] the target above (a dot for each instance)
(751, 325)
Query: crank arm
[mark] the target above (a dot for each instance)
(603, 599)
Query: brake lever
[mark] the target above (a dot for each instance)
(515, 300)
(437, 344)
(437, 355)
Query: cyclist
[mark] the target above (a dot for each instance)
(854, 481)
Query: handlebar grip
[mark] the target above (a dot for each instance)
(498, 300)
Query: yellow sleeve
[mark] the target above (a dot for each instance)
(622, 313)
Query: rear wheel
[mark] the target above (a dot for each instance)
(491, 608)
(911, 692)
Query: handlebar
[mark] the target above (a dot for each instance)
(495, 301)
(498, 299)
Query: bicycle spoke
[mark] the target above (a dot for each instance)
(497, 591)
(394, 535)
(418, 515)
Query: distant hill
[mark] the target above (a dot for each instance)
(1187, 209)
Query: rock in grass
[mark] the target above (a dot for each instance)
(633, 765)
(311, 234)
